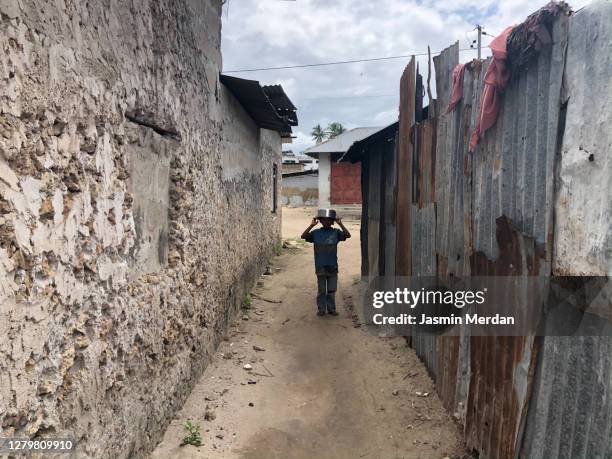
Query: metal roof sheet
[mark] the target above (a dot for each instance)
(252, 97)
(341, 143)
(583, 209)
(296, 174)
(281, 102)
(361, 147)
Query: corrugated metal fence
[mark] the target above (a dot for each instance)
(501, 211)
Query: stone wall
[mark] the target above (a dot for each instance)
(135, 213)
(301, 190)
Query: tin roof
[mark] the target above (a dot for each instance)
(356, 152)
(258, 105)
(283, 105)
(299, 173)
(343, 142)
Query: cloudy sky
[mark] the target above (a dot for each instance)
(272, 33)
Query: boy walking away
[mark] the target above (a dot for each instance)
(326, 241)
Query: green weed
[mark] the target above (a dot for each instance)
(247, 302)
(278, 248)
(193, 437)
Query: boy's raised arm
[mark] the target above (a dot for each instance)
(347, 234)
(313, 223)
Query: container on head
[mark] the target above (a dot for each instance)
(326, 213)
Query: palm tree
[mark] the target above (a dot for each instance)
(335, 129)
(318, 134)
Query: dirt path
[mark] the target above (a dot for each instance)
(321, 388)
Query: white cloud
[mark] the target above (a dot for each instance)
(270, 33)
(385, 117)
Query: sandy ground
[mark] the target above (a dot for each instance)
(321, 388)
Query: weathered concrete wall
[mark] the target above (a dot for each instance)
(127, 235)
(301, 190)
(240, 137)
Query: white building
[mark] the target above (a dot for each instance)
(339, 181)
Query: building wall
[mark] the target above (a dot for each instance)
(288, 168)
(345, 183)
(135, 212)
(301, 190)
(324, 179)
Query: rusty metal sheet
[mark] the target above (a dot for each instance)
(423, 233)
(425, 345)
(497, 395)
(583, 210)
(453, 373)
(444, 64)
(571, 406)
(423, 240)
(448, 366)
(513, 165)
(365, 215)
(494, 216)
(425, 160)
(404, 166)
(572, 400)
(378, 210)
(446, 357)
(570, 413)
(453, 164)
(510, 174)
(382, 232)
(375, 209)
(501, 367)
(512, 180)
(389, 163)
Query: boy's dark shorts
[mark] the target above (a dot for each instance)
(326, 270)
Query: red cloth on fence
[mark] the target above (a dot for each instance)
(457, 91)
(495, 82)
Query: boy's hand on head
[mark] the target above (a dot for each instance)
(306, 232)
(346, 232)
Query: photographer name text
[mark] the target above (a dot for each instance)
(413, 298)
(469, 319)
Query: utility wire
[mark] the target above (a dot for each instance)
(364, 96)
(337, 62)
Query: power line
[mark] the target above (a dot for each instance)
(364, 96)
(336, 62)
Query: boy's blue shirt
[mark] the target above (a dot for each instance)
(325, 245)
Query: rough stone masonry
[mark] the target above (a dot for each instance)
(135, 212)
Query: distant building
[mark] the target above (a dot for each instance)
(300, 188)
(310, 164)
(297, 162)
(339, 180)
(290, 168)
